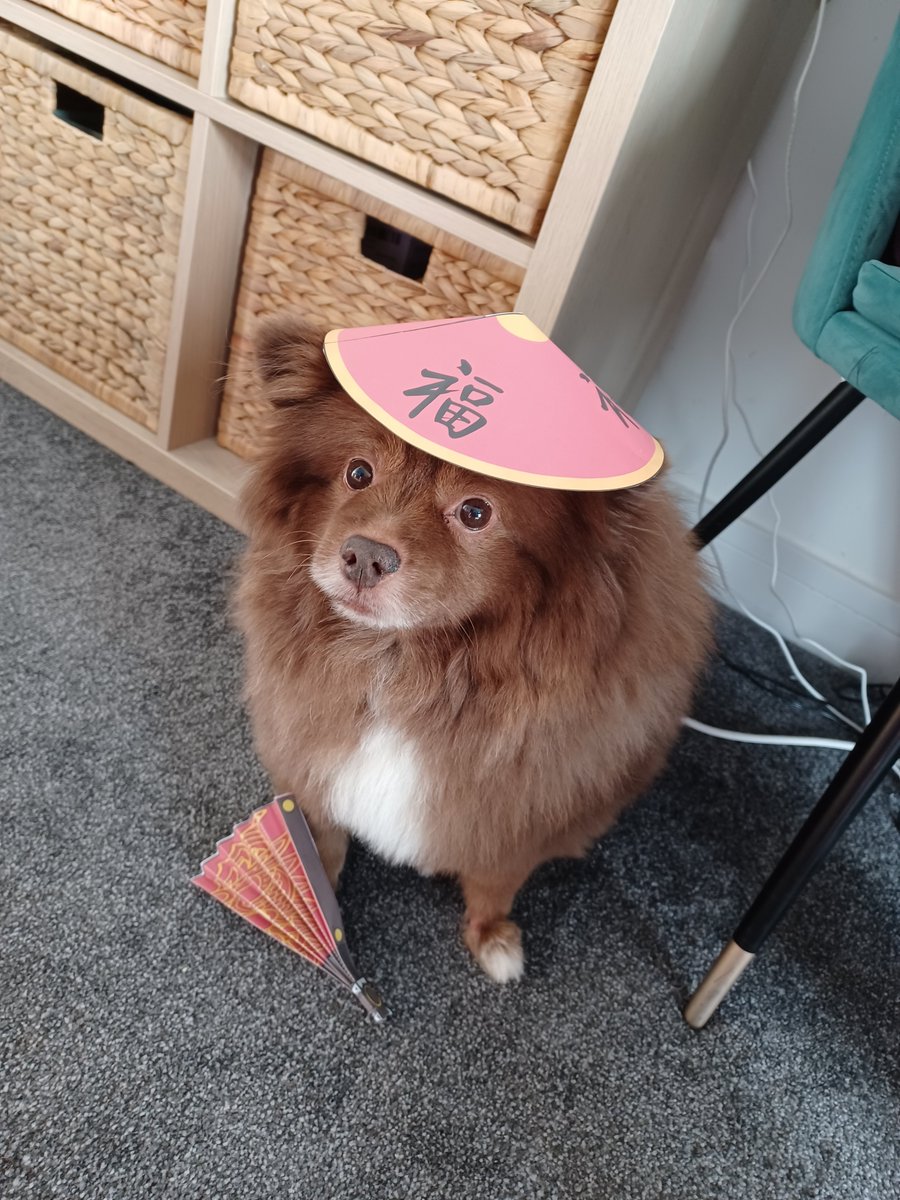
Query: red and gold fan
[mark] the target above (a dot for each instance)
(269, 872)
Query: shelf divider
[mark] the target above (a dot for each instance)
(217, 202)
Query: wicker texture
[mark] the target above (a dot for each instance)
(171, 31)
(88, 228)
(475, 99)
(303, 254)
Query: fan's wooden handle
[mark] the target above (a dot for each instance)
(305, 845)
(300, 834)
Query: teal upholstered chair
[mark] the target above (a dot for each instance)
(847, 311)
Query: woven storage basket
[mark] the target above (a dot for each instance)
(304, 253)
(171, 31)
(475, 99)
(89, 224)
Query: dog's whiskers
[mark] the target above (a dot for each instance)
(310, 541)
(457, 624)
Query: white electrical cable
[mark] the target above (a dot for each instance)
(776, 512)
(830, 654)
(728, 398)
(794, 669)
(765, 739)
(795, 109)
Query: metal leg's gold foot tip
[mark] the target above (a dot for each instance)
(722, 976)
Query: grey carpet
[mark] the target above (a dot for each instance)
(153, 1045)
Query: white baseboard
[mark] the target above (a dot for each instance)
(837, 609)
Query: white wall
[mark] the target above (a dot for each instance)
(840, 540)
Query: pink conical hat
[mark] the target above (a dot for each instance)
(495, 395)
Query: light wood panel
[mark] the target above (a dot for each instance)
(217, 199)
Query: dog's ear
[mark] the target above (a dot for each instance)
(290, 361)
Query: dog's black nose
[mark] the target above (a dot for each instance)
(365, 562)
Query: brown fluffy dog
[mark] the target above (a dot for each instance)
(471, 676)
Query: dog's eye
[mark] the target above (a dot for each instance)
(474, 513)
(359, 474)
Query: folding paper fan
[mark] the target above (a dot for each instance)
(269, 872)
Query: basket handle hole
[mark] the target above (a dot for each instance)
(392, 248)
(79, 111)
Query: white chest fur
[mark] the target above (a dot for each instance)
(379, 793)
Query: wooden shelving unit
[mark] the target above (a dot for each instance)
(677, 102)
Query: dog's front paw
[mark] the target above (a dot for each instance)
(497, 948)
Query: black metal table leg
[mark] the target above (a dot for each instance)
(811, 430)
(863, 769)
